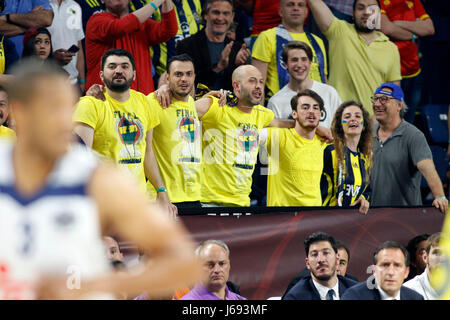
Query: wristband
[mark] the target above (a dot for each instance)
(440, 198)
(448, 141)
(162, 189)
(154, 6)
(81, 80)
(8, 20)
(414, 37)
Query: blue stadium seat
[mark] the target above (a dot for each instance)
(435, 116)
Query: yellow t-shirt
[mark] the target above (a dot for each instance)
(177, 145)
(295, 169)
(230, 148)
(357, 69)
(265, 49)
(120, 129)
(7, 133)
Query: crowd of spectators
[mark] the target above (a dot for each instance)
(185, 94)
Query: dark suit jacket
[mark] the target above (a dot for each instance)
(305, 289)
(361, 292)
(197, 47)
(305, 273)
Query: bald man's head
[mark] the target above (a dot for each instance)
(248, 85)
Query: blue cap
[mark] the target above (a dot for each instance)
(396, 93)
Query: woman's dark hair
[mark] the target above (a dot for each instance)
(28, 47)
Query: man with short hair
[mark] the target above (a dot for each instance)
(120, 128)
(400, 155)
(112, 247)
(296, 155)
(324, 283)
(433, 259)
(215, 258)
(391, 262)
(177, 139)
(297, 57)
(268, 46)
(360, 57)
(5, 109)
(215, 55)
(416, 248)
(134, 32)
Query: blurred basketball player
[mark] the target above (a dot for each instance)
(56, 199)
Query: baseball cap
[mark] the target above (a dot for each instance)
(396, 93)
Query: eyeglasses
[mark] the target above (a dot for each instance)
(382, 99)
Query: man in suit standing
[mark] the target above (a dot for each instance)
(391, 262)
(324, 283)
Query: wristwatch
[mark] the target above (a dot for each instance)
(8, 20)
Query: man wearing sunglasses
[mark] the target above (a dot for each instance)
(400, 155)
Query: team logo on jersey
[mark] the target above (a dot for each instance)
(248, 140)
(64, 219)
(130, 131)
(188, 129)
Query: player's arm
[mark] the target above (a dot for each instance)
(9, 29)
(428, 170)
(34, 19)
(282, 123)
(85, 132)
(420, 27)
(124, 208)
(202, 105)
(154, 176)
(322, 14)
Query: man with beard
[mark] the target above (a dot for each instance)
(360, 57)
(120, 127)
(324, 283)
(134, 32)
(433, 259)
(177, 139)
(296, 155)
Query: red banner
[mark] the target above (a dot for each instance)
(267, 250)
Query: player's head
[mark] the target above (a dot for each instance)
(321, 256)
(43, 101)
(215, 259)
(180, 75)
(118, 70)
(297, 57)
(4, 105)
(307, 108)
(248, 85)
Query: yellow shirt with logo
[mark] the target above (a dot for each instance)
(230, 148)
(7, 133)
(177, 145)
(356, 68)
(120, 129)
(295, 169)
(265, 49)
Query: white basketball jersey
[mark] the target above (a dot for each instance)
(55, 233)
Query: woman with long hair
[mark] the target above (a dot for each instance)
(347, 162)
(37, 42)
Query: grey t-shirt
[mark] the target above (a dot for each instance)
(215, 53)
(395, 179)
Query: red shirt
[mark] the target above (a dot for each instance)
(407, 11)
(106, 30)
(265, 15)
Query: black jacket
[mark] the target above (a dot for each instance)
(362, 292)
(306, 290)
(197, 47)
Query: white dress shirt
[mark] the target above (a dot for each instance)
(323, 291)
(385, 296)
(421, 284)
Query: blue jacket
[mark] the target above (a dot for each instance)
(362, 292)
(305, 289)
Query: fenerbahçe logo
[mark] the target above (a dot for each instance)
(188, 129)
(248, 140)
(130, 131)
